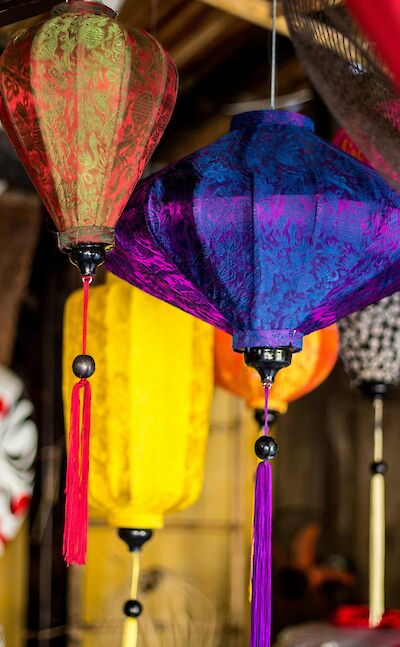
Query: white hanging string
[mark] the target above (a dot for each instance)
(273, 57)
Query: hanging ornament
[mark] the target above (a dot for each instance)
(18, 445)
(342, 65)
(370, 344)
(268, 259)
(84, 102)
(308, 370)
(149, 432)
(252, 234)
(370, 350)
(382, 24)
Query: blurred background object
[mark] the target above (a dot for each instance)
(346, 72)
(324, 635)
(18, 444)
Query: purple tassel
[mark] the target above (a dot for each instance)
(261, 569)
(260, 635)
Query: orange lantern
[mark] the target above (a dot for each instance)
(309, 368)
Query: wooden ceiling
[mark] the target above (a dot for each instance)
(222, 50)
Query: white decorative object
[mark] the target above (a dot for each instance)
(370, 342)
(18, 446)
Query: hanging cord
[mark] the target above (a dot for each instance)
(86, 283)
(76, 489)
(261, 568)
(132, 608)
(377, 523)
(273, 56)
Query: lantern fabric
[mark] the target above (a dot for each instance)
(343, 141)
(342, 65)
(269, 233)
(153, 389)
(370, 349)
(370, 343)
(370, 338)
(381, 21)
(18, 446)
(84, 102)
(308, 370)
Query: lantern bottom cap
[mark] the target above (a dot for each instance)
(374, 390)
(87, 257)
(268, 361)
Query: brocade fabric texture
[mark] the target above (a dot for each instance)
(370, 342)
(84, 101)
(344, 67)
(269, 233)
(149, 428)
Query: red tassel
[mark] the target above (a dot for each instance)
(76, 490)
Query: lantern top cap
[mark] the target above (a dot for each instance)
(83, 7)
(268, 117)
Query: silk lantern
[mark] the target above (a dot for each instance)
(84, 101)
(308, 370)
(269, 233)
(381, 21)
(252, 235)
(150, 429)
(370, 350)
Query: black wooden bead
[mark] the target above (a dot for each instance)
(83, 366)
(132, 608)
(266, 447)
(379, 467)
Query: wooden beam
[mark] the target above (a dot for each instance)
(257, 12)
(13, 11)
(190, 46)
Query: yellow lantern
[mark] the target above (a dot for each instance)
(153, 389)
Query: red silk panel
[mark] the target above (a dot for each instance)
(85, 102)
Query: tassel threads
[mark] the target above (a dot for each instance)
(377, 524)
(132, 608)
(76, 489)
(261, 571)
(262, 563)
(76, 502)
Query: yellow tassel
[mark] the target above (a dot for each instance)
(377, 528)
(130, 633)
(130, 637)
